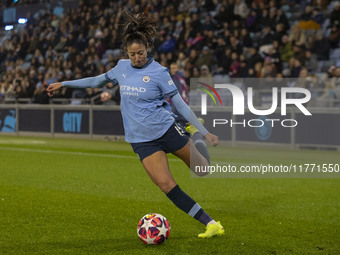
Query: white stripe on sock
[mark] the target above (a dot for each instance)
(194, 210)
(211, 222)
(200, 141)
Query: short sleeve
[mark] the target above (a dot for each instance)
(166, 84)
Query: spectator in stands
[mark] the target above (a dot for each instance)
(311, 62)
(254, 57)
(6, 89)
(177, 75)
(241, 10)
(189, 32)
(310, 41)
(20, 91)
(280, 82)
(296, 67)
(39, 95)
(178, 32)
(272, 17)
(178, 78)
(196, 42)
(299, 52)
(110, 95)
(297, 36)
(268, 69)
(268, 81)
(81, 48)
(307, 13)
(196, 23)
(317, 16)
(235, 64)
(209, 23)
(195, 73)
(219, 50)
(193, 56)
(252, 20)
(206, 58)
(282, 19)
(305, 80)
(245, 39)
(224, 62)
(235, 45)
(223, 14)
(92, 93)
(275, 56)
(32, 81)
(279, 32)
(210, 38)
(321, 47)
(334, 72)
(334, 36)
(169, 45)
(235, 25)
(266, 37)
(243, 70)
(335, 14)
(181, 60)
(257, 69)
(64, 92)
(205, 72)
(264, 19)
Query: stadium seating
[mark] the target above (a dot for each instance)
(102, 57)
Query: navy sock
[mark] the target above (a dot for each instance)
(188, 205)
(204, 218)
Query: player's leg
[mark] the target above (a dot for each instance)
(198, 140)
(196, 136)
(200, 145)
(157, 167)
(192, 158)
(190, 155)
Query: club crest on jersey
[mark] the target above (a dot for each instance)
(146, 78)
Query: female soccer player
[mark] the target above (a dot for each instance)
(149, 126)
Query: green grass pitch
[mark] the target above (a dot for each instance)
(73, 196)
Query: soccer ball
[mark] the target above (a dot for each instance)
(153, 228)
(105, 96)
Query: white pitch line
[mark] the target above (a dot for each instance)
(22, 142)
(73, 153)
(69, 153)
(100, 155)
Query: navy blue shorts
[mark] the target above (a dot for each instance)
(173, 140)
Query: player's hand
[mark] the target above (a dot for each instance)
(212, 139)
(53, 87)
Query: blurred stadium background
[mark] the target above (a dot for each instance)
(280, 43)
(82, 196)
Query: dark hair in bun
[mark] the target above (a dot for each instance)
(138, 28)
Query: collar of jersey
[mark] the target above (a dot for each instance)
(146, 64)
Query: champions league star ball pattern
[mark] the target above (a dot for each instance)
(153, 228)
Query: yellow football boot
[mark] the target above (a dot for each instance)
(212, 230)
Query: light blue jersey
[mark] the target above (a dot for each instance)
(146, 113)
